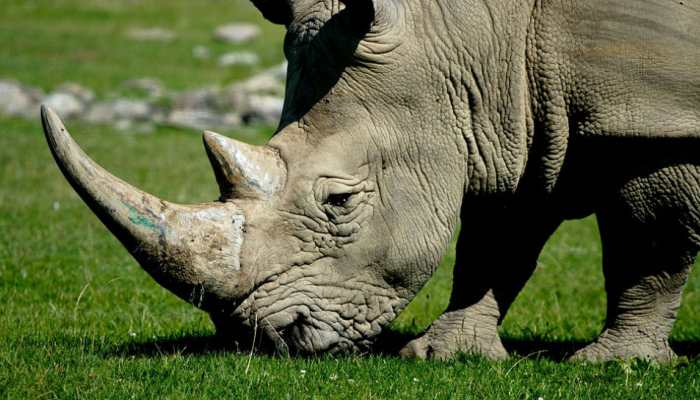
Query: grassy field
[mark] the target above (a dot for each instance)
(46, 43)
(79, 318)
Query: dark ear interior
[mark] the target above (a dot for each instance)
(361, 13)
(275, 11)
(280, 11)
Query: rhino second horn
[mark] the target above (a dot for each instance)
(243, 170)
(192, 250)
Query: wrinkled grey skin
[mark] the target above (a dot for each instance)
(403, 116)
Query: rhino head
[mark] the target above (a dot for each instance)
(323, 235)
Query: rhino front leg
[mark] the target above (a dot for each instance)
(496, 254)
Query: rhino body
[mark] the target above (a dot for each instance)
(403, 117)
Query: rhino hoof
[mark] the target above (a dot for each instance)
(423, 349)
(416, 349)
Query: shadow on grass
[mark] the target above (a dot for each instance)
(388, 345)
(541, 348)
(560, 351)
(196, 344)
(391, 342)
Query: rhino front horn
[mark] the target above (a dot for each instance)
(192, 250)
(243, 170)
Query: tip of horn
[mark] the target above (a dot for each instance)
(51, 122)
(241, 169)
(214, 146)
(212, 140)
(59, 140)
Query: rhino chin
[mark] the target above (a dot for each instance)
(307, 339)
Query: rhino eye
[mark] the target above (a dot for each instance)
(338, 199)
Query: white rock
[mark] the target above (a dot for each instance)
(238, 58)
(237, 32)
(201, 52)
(263, 83)
(151, 34)
(82, 93)
(230, 120)
(236, 96)
(263, 109)
(16, 101)
(119, 110)
(132, 109)
(202, 119)
(197, 99)
(65, 104)
(101, 113)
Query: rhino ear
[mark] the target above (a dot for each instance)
(275, 11)
(281, 11)
(374, 15)
(362, 12)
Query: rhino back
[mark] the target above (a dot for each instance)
(622, 68)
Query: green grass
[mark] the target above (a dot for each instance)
(79, 318)
(45, 43)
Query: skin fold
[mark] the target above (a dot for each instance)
(401, 119)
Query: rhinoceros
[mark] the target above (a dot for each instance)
(404, 117)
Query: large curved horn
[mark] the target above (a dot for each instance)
(191, 250)
(243, 170)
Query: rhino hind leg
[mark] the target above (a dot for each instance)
(650, 240)
(500, 251)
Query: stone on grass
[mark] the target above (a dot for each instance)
(201, 52)
(263, 83)
(201, 119)
(132, 109)
(237, 32)
(119, 110)
(151, 34)
(238, 58)
(66, 105)
(16, 100)
(263, 109)
(82, 93)
(145, 102)
(101, 112)
(258, 98)
(197, 99)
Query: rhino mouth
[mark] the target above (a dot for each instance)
(310, 317)
(289, 332)
(300, 337)
(308, 337)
